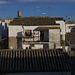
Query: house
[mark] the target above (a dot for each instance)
(70, 36)
(4, 28)
(70, 28)
(34, 62)
(36, 32)
(4, 33)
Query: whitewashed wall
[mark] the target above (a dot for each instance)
(36, 46)
(54, 38)
(63, 28)
(14, 30)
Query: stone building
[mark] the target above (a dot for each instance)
(36, 32)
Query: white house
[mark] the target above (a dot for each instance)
(70, 28)
(36, 32)
(3, 30)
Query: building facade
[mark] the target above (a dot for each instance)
(36, 32)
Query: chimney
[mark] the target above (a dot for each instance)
(19, 14)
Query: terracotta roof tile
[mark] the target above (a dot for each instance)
(33, 61)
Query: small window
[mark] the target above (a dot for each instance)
(28, 33)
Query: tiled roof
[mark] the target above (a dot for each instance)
(33, 61)
(34, 21)
(70, 37)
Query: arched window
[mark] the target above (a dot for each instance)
(73, 29)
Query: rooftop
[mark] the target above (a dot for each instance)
(34, 61)
(70, 38)
(34, 21)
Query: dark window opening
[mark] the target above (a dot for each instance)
(28, 33)
(41, 35)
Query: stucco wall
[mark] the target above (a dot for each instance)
(63, 28)
(36, 46)
(12, 43)
(18, 30)
(54, 38)
(3, 29)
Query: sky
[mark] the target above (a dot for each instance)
(30, 8)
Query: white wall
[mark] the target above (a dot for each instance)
(13, 30)
(63, 28)
(36, 46)
(54, 38)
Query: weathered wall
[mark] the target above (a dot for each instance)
(36, 46)
(54, 38)
(63, 28)
(18, 31)
(12, 43)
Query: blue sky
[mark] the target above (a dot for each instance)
(52, 8)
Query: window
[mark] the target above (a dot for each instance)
(28, 33)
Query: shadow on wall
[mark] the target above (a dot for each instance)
(19, 40)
